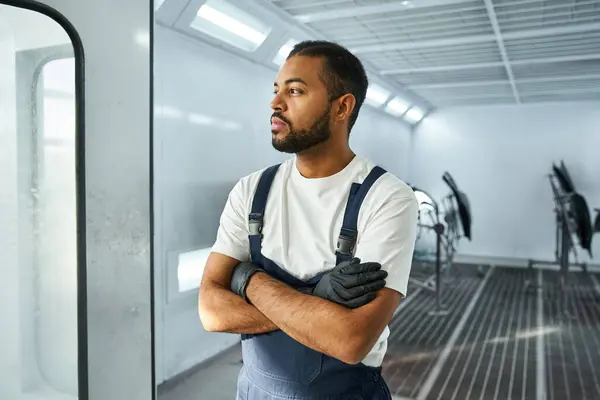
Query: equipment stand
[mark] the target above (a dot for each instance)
(564, 246)
(439, 310)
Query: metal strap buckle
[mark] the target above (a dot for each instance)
(255, 224)
(345, 245)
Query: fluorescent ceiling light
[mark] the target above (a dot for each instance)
(284, 51)
(200, 119)
(190, 268)
(166, 111)
(414, 115)
(143, 39)
(397, 106)
(230, 24)
(377, 95)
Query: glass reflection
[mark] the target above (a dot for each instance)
(38, 232)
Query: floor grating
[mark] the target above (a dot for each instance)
(417, 338)
(498, 340)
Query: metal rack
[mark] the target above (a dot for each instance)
(447, 236)
(572, 220)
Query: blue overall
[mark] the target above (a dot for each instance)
(277, 366)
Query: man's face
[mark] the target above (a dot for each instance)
(301, 107)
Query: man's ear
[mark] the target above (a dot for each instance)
(346, 105)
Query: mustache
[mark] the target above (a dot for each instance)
(281, 117)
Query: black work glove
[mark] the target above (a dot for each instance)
(241, 276)
(351, 283)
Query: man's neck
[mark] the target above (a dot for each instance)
(324, 162)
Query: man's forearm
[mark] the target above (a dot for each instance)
(221, 310)
(317, 323)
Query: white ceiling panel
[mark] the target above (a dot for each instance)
(464, 52)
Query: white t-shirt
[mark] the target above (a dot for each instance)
(303, 218)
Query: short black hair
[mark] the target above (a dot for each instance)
(343, 71)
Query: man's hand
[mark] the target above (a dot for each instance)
(241, 276)
(351, 283)
(220, 309)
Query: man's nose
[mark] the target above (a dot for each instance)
(277, 104)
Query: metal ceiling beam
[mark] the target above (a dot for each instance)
(362, 11)
(547, 79)
(453, 85)
(443, 68)
(526, 34)
(299, 5)
(520, 7)
(419, 30)
(440, 98)
(463, 16)
(494, 21)
(281, 15)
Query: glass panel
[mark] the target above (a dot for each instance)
(56, 235)
(38, 231)
(157, 4)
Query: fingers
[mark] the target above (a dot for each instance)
(355, 268)
(373, 286)
(361, 301)
(345, 264)
(358, 291)
(349, 281)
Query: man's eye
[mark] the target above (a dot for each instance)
(295, 91)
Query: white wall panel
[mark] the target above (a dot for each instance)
(211, 128)
(500, 157)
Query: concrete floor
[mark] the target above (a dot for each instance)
(213, 380)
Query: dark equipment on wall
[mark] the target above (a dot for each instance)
(572, 220)
(456, 224)
(464, 208)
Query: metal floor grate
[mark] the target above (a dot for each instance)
(573, 347)
(510, 343)
(417, 338)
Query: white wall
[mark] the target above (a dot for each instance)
(211, 128)
(500, 157)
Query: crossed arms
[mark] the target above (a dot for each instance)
(343, 333)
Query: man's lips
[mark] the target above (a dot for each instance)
(277, 124)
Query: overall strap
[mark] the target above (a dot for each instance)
(256, 217)
(349, 233)
(255, 228)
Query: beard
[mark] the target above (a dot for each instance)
(299, 140)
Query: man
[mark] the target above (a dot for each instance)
(304, 249)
